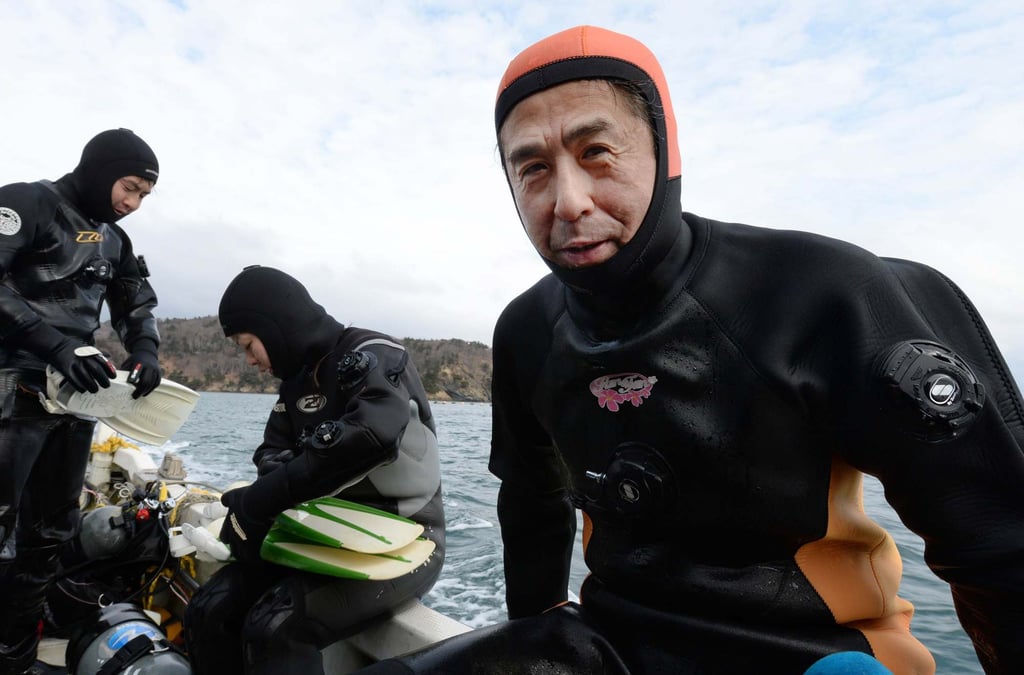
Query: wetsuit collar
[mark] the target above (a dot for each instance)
(607, 315)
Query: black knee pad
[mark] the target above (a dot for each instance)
(213, 621)
(278, 636)
(270, 616)
(217, 599)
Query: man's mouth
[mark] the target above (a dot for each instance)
(580, 248)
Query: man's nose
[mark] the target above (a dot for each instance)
(130, 202)
(573, 198)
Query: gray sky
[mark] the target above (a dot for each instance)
(352, 144)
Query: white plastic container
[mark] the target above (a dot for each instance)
(137, 466)
(98, 473)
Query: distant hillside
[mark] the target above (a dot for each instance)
(194, 352)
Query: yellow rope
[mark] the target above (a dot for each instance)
(112, 445)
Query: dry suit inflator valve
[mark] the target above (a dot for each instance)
(98, 269)
(638, 483)
(324, 435)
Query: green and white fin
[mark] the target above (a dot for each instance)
(335, 522)
(284, 548)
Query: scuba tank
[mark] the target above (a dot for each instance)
(104, 532)
(121, 636)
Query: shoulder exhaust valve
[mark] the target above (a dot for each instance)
(354, 367)
(934, 385)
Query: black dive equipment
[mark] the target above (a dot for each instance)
(637, 484)
(939, 388)
(354, 367)
(323, 436)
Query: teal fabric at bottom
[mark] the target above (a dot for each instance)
(848, 663)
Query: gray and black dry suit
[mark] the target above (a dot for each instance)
(57, 267)
(269, 619)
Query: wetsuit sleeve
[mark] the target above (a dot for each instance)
(960, 488)
(278, 435)
(538, 522)
(22, 211)
(376, 415)
(131, 300)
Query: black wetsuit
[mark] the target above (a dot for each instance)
(720, 472)
(57, 268)
(715, 444)
(264, 618)
(711, 397)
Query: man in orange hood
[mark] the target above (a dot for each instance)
(710, 396)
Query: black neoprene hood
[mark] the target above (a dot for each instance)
(276, 308)
(109, 156)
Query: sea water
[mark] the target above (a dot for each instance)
(217, 441)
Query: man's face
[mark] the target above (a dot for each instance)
(127, 194)
(582, 166)
(255, 352)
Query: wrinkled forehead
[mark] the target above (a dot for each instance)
(574, 109)
(588, 52)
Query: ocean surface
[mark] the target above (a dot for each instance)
(217, 441)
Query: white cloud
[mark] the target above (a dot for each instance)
(353, 145)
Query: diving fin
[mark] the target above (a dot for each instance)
(157, 416)
(284, 548)
(335, 522)
(150, 419)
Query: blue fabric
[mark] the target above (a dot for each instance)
(848, 663)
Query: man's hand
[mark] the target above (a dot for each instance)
(85, 367)
(272, 460)
(143, 371)
(242, 532)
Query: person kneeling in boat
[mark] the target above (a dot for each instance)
(257, 617)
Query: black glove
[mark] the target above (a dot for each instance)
(85, 367)
(143, 368)
(242, 531)
(271, 460)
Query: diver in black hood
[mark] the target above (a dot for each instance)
(61, 257)
(256, 617)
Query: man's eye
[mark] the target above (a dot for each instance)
(531, 168)
(595, 151)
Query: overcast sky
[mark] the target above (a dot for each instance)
(352, 143)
